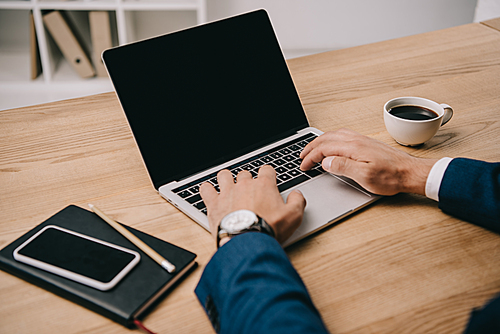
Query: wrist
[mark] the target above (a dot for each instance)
(417, 173)
(223, 241)
(435, 178)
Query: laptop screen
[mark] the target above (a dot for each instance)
(205, 95)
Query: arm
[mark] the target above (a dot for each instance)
(250, 286)
(469, 190)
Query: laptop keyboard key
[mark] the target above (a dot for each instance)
(195, 189)
(184, 194)
(194, 199)
(281, 170)
(275, 155)
(320, 169)
(293, 182)
(312, 172)
(200, 205)
(284, 177)
(236, 171)
(302, 144)
(285, 151)
(257, 163)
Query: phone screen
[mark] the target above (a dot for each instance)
(77, 254)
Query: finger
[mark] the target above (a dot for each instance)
(348, 149)
(225, 179)
(311, 159)
(267, 172)
(316, 155)
(327, 136)
(305, 151)
(243, 175)
(208, 193)
(315, 143)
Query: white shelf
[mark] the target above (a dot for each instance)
(157, 6)
(16, 5)
(195, 5)
(77, 5)
(131, 20)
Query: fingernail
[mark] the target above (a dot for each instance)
(327, 163)
(298, 191)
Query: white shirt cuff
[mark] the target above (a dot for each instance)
(435, 177)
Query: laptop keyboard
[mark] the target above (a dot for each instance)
(284, 159)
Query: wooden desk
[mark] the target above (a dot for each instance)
(400, 265)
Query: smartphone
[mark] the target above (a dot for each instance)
(78, 257)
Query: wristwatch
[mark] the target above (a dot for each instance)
(241, 221)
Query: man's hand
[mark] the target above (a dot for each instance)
(377, 167)
(259, 195)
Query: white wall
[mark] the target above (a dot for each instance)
(486, 10)
(303, 27)
(309, 26)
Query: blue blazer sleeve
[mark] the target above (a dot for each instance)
(470, 190)
(250, 286)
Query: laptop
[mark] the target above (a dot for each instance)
(220, 96)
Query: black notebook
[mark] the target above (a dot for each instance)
(133, 296)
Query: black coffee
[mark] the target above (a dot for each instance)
(414, 113)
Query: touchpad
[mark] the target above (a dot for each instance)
(328, 199)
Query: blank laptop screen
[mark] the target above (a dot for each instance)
(201, 96)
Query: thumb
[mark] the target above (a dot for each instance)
(296, 201)
(337, 165)
(294, 212)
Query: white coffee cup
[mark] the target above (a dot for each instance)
(413, 132)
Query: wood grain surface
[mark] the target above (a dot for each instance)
(493, 23)
(398, 266)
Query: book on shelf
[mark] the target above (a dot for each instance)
(100, 32)
(35, 62)
(134, 296)
(68, 43)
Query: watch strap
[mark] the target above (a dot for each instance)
(264, 227)
(260, 226)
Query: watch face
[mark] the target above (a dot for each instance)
(238, 221)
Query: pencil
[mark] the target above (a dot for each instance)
(135, 240)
